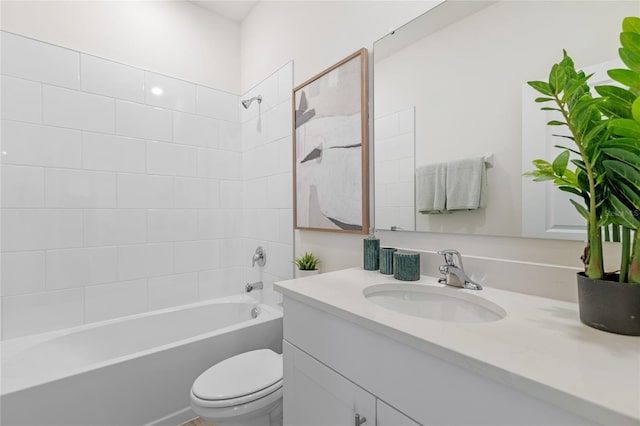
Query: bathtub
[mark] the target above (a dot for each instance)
(135, 370)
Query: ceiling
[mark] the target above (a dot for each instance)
(236, 10)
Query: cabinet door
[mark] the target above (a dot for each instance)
(389, 416)
(315, 395)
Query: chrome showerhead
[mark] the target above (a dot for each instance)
(247, 102)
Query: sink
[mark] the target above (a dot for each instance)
(436, 303)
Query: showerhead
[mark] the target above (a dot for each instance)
(247, 102)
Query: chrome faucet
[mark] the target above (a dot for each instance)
(259, 257)
(253, 286)
(453, 271)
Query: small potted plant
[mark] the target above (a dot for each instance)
(605, 176)
(307, 265)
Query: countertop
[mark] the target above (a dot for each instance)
(540, 347)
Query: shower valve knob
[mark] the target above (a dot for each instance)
(259, 257)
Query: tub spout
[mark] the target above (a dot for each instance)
(253, 286)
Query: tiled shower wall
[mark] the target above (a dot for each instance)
(268, 182)
(118, 199)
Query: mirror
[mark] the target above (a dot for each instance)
(450, 104)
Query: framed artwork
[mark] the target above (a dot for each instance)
(331, 148)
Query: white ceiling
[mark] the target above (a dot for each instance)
(236, 10)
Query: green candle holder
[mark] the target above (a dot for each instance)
(371, 254)
(386, 260)
(406, 266)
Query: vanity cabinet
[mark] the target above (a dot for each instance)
(336, 366)
(316, 395)
(386, 415)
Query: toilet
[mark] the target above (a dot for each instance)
(244, 390)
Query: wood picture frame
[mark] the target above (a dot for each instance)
(331, 148)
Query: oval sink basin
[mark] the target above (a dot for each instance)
(436, 303)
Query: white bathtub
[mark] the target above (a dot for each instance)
(130, 371)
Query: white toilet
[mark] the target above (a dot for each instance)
(244, 390)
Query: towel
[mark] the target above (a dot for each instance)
(431, 188)
(466, 184)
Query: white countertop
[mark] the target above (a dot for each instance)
(540, 347)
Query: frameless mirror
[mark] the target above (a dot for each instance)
(453, 118)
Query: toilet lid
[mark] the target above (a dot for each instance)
(240, 375)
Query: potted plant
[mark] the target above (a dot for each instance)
(307, 265)
(605, 136)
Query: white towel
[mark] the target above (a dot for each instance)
(431, 188)
(466, 184)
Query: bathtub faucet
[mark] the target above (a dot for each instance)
(253, 286)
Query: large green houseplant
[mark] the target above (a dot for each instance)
(604, 135)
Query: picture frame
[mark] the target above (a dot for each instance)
(331, 148)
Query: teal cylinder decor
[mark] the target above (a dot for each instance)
(406, 266)
(386, 260)
(371, 254)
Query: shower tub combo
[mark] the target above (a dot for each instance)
(136, 370)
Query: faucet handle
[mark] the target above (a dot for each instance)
(259, 257)
(452, 257)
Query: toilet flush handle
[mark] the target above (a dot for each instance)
(359, 420)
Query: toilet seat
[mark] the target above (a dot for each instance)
(266, 393)
(237, 413)
(240, 379)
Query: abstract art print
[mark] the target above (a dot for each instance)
(330, 148)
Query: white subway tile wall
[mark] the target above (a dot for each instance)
(113, 153)
(74, 109)
(109, 78)
(143, 121)
(167, 92)
(267, 180)
(102, 302)
(28, 313)
(33, 60)
(125, 190)
(22, 186)
(172, 290)
(394, 165)
(36, 145)
(23, 272)
(21, 100)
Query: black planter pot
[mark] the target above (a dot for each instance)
(609, 305)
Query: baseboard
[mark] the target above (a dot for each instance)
(175, 419)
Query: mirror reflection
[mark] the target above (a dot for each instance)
(449, 105)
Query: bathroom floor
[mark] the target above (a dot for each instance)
(199, 422)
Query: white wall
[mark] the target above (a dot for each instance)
(315, 35)
(266, 173)
(115, 200)
(176, 38)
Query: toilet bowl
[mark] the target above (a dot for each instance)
(244, 390)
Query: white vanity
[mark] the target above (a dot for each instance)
(348, 360)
